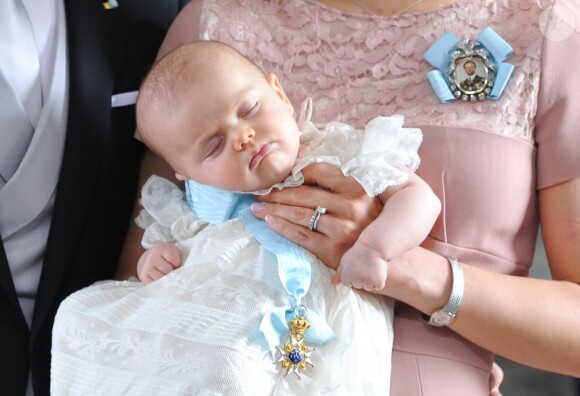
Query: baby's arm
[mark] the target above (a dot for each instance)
(158, 261)
(408, 215)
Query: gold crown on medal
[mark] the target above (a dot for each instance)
(299, 326)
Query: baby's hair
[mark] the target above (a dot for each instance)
(176, 73)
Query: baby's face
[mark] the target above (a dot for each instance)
(235, 131)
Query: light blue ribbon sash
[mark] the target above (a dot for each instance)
(438, 56)
(216, 206)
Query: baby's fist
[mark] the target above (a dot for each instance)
(158, 261)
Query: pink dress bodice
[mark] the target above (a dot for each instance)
(357, 67)
(485, 160)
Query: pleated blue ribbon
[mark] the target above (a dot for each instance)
(216, 206)
(439, 56)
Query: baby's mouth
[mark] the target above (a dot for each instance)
(259, 154)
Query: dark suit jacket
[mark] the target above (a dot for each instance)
(109, 52)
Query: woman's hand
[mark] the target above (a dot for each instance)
(348, 211)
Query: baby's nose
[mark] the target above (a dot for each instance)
(243, 138)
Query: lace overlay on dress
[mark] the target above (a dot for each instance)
(357, 67)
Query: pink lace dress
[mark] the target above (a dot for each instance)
(485, 160)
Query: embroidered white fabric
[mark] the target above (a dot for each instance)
(195, 331)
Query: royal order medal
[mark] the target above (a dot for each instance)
(295, 354)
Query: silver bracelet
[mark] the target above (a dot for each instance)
(446, 315)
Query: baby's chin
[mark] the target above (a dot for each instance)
(268, 182)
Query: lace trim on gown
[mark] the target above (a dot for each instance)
(381, 157)
(165, 216)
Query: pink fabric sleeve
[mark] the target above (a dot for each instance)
(184, 29)
(558, 117)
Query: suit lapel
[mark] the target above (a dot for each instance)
(89, 25)
(7, 284)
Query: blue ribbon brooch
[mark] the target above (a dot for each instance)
(470, 70)
(292, 326)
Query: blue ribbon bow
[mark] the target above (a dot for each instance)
(216, 206)
(441, 55)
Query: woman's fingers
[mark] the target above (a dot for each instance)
(330, 177)
(294, 214)
(293, 223)
(318, 244)
(348, 211)
(304, 196)
(342, 196)
(297, 205)
(331, 239)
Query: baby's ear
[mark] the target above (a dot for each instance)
(277, 87)
(180, 177)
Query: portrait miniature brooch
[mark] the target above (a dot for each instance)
(470, 70)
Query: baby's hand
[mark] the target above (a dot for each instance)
(158, 261)
(362, 267)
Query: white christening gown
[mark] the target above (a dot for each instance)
(196, 330)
